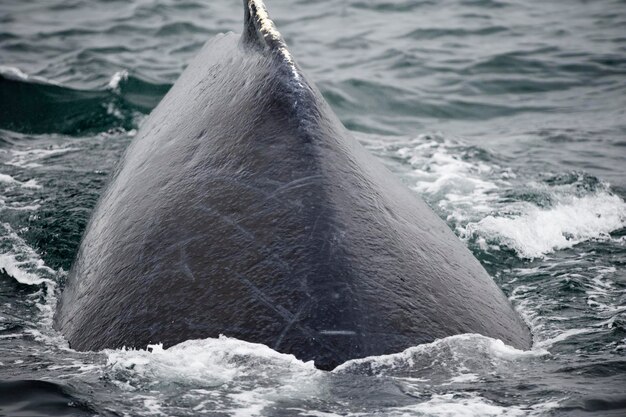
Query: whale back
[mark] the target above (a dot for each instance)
(243, 207)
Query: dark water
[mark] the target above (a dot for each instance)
(509, 118)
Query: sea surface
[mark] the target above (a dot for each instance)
(507, 117)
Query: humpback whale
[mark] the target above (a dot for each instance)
(243, 207)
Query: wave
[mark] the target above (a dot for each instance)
(535, 232)
(203, 368)
(212, 361)
(448, 405)
(10, 181)
(32, 158)
(41, 398)
(498, 209)
(35, 105)
(20, 261)
(451, 352)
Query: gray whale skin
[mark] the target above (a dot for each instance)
(243, 207)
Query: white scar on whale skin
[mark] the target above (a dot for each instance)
(338, 332)
(269, 31)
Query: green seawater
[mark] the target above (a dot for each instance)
(508, 118)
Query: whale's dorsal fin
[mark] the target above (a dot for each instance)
(259, 31)
(258, 28)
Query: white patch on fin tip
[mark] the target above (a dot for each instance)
(268, 29)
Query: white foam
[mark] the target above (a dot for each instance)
(207, 362)
(536, 232)
(455, 348)
(250, 403)
(11, 266)
(458, 405)
(17, 74)
(230, 375)
(464, 378)
(32, 184)
(317, 413)
(246, 379)
(470, 193)
(13, 72)
(114, 111)
(21, 262)
(464, 189)
(601, 292)
(116, 79)
(152, 406)
(31, 158)
(501, 350)
(10, 181)
(7, 179)
(453, 405)
(548, 343)
(19, 207)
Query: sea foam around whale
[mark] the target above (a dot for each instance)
(487, 203)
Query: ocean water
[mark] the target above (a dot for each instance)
(508, 118)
